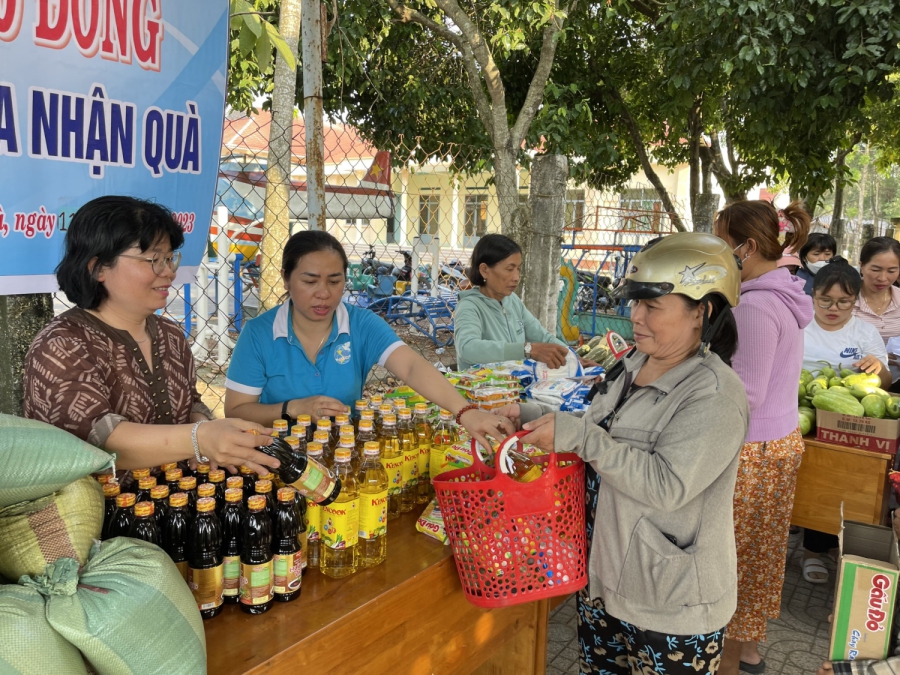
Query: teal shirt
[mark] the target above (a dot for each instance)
(487, 331)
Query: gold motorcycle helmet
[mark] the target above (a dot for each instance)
(694, 264)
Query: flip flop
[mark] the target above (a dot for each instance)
(754, 668)
(815, 566)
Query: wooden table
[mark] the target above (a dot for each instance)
(831, 474)
(408, 615)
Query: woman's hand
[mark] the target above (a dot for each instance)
(481, 424)
(512, 412)
(587, 363)
(226, 443)
(547, 352)
(542, 430)
(316, 407)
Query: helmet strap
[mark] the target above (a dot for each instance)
(708, 330)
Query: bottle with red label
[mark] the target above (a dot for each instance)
(286, 560)
(257, 592)
(232, 524)
(205, 563)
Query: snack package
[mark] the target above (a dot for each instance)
(431, 522)
(542, 373)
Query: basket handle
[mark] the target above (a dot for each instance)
(509, 441)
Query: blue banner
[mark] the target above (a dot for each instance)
(101, 97)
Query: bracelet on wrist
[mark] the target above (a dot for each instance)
(465, 409)
(200, 458)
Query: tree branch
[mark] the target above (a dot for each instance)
(645, 9)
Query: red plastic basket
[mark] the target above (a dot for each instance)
(516, 542)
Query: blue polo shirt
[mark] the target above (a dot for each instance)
(268, 360)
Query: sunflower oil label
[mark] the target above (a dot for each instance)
(313, 521)
(424, 458)
(394, 469)
(232, 575)
(207, 586)
(373, 514)
(410, 472)
(288, 569)
(256, 583)
(340, 524)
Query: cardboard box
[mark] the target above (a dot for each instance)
(866, 592)
(866, 433)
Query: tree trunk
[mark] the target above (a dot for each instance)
(21, 319)
(862, 201)
(507, 190)
(837, 213)
(703, 211)
(549, 175)
(278, 163)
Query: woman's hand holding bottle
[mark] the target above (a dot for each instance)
(226, 443)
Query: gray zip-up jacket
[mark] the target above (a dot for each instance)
(667, 467)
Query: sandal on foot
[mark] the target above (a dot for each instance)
(754, 668)
(814, 571)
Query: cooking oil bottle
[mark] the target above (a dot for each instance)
(445, 435)
(205, 563)
(358, 407)
(256, 558)
(373, 496)
(383, 409)
(340, 523)
(324, 425)
(410, 450)
(365, 434)
(392, 461)
(313, 515)
(375, 401)
(424, 436)
(519, 466)
(348, 442)
(323, 438)
(304, 421)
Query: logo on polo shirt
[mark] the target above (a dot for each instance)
(342, 353)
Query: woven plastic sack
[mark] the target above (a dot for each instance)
(29, 645)
(38, 459)
(129, 611)
(63, 525)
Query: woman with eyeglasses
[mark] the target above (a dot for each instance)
(111, 371)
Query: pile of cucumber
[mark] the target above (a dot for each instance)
(598, 351)
(846, 392)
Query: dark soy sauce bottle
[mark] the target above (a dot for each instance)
(287, 559)
(205, 563)
(256, 558)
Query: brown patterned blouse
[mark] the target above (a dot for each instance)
(86, 377)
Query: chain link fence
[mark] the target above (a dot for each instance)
(407, 222)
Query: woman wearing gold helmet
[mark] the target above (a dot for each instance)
(661, 441)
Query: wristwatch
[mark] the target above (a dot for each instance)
(285, 416)
(527, 350)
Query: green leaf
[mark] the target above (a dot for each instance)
(282, 46)
(248, 40)
(264, 51)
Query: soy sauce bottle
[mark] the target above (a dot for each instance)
(313, 480)
(176, 530)
(159, 495)
(217, 478)
(172, 478)
(110, 492)
(264, 488)
(188, 485)
(256, 558)
(232, 523)
(250, 478)
(144, 486)
(287, 561)
(205, 563)
(121, 523)
(144, 525)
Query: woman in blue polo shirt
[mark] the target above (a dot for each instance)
(312, 354)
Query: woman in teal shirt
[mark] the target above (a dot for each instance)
(491, 324)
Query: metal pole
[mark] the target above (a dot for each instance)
(311, 37)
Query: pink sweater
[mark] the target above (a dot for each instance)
(771, 316)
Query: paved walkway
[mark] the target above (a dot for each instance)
(797, 641)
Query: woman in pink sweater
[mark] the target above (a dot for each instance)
(770, 318)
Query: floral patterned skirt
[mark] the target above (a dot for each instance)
(763, 502)
(610, 646)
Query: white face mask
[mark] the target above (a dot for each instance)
(816, 267)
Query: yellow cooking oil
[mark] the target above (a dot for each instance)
(339, 552)
(424, 436)
(445, 435)
(409, 448)
(392, 461)
(373, 496)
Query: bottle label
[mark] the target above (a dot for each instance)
(316, 483)
(410, 473)
(340, 524)
(436, 462)
(373, 514)
(232, 575)
(183, 568)
(302, 537)
(256, 583)
(313, 521)
(424, 458)
(207, 586)
(288, 569)
(394, 469)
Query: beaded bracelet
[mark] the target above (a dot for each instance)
(471, 406)
(200, 458)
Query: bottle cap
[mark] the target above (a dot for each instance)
(143, 509)
(172, 475)
(256, 503)
(217, 476)
(314, 449)
(347, 440)
(111, 489)
(267, 476)
(347, 429)
(341, 420)
(234, 482)
(365, 425)
(178, 499)
(206, 490)
(187, 483)
(246, 470)
(137, 474)
(146, 483)
(361, 404)
(159, 492)
(367, 415)
(292, 441)
(390, 418)
(206, 504)
(323, 423)
(263, 486)
(104, 478)
(320, 437)
(203, 468)
(286, 494)
(124, 500)
(168, 467)
(305, 420)
(371, 449)
(234, 495)
(342, 455)
(399, 403)
(446, 415)
(280, 425)
(421, 407)
(405, 413)
(385, 409)
(376, 398)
